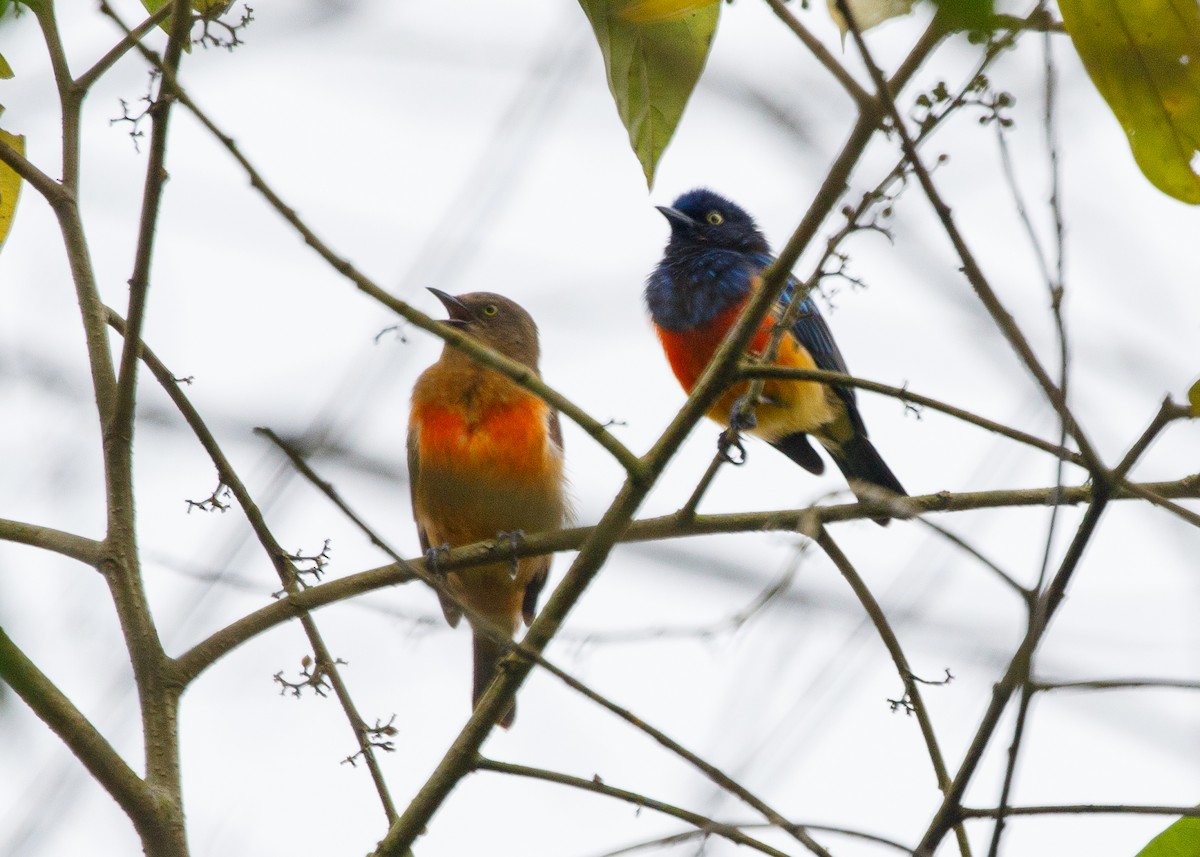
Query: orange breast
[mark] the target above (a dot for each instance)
(689, 351)
(507, 441)
(790, 405)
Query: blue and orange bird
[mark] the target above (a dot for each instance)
(711, 266)
(485, 459)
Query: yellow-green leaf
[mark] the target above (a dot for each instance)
(658, 11)
(6, 71)
(654, 51)
(1194, 399)
(10, 185)
(969, 15)
(1181, 839)
(867, 13)
(208, 9)
(1144, 57)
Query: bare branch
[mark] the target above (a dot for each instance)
(518, 372)
(702, 823)
(905, 395)
(120, 427)
(821, 54)
(971, 269)
(53, 192)
(201, 656)
(87, 551)
(121, 48)
(1086, 809)
(1116, 684)
(912, 692)
(77, 732)
(279, 559)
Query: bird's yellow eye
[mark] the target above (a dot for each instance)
(715, 218)
(490, 310)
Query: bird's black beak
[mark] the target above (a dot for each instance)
(677, 218)
(460, 314)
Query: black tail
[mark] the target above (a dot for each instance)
(860, 461)
(798, 449)
(487, 659)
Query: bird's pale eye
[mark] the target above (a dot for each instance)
(714, 218)
(490, 310)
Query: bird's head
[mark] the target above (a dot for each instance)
(495, 321)
(703, 218)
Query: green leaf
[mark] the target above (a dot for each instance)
(1144, 57)
(1181, 839)
(10, 185)
(867, 13)
(969, 15)
(1194, 399)
(654, 51)
(6, 71)
(208, 9)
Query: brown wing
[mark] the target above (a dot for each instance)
(555, 428)
(538, 582)
(449, 609)
(534, 588)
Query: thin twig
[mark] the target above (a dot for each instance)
(907, 396)
(821, 53)
(1010, 770)
(658, 843)
(121, 48)
(912, 690)
(518, 372)
(119, 427)
(1027, 595)
(280, 560)
(1116, 684)
(703, 824)
(1085, 809)
(688, 509)
(1017, 673)
(1004, 320)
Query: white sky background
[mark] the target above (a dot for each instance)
(475, 146)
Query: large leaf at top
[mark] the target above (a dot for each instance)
(1181, 839)
(10, 185)
(654, 51)
(1144, 57)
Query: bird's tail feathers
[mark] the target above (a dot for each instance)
(859, 461)
(487, 655)
(798, 449)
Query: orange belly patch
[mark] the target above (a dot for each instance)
(507, 442)
(789, 406)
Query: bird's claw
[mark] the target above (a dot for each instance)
(729, 443)
(432, 558)
(513, 538)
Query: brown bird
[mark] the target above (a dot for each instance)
(485, 459)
